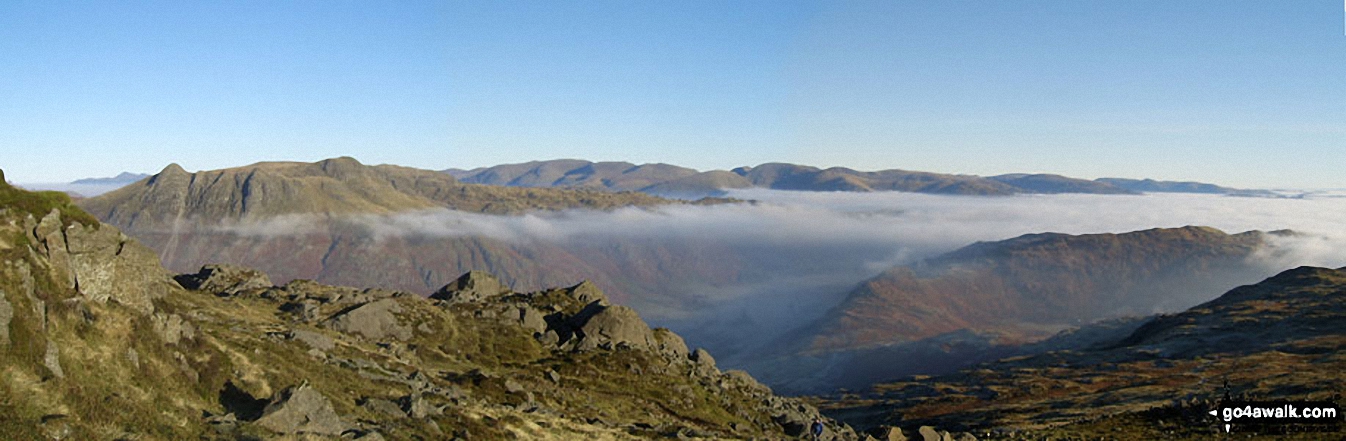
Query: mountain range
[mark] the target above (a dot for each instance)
(121, 178)
(675, 181)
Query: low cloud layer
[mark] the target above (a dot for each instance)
(805, 250)
(910, 225)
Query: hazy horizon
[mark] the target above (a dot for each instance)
(1240, 94)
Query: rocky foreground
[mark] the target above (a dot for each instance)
(97, 341)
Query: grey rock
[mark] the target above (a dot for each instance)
(418, 407)
(315, 340)
(172, 328)
(52, 360)
(549, 338)
(370, 436)
(532, 319)
(886, 433)
(475, 286)
(226, 280)
(587, 292)
(670, 344)
(553, 376)
(616, 325)
(927, 433)
(6, 316)
(51, 243)
(301, 409)
(108, 266)
(384, 407)
(745, 380)
(375, 320)
(703, 360)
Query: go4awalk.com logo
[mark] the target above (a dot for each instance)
(1284, 416)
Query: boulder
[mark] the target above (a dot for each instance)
(532, 319)
(375, 320)
(927, 433)
(613, 326)
(475, 286)
(108, 266)
(887, 433)
(315, 340)
(703, 360)
(384, 407)
(226, 280)
(670, 344)
(587, 292)
(301, 409)
(172, 328)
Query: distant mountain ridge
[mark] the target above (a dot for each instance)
(121, 178)
(675, 181)
(329, 187)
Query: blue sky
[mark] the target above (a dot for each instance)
(1244, 93)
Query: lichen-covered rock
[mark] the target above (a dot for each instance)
(301, 409)
(107, 265)
(375, 320)
(226, 280)
(475, 286)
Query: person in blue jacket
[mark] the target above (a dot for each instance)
(816, 429)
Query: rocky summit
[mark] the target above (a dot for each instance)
(99, 342)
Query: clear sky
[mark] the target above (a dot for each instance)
(1236, 92)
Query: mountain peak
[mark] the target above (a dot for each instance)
(173, 169)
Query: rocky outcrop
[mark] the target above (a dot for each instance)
(100, 262)
(615, 326)
(225, 279)
(475, 286)
(301, 409)
(375, 320)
